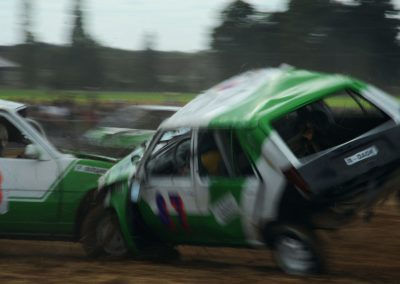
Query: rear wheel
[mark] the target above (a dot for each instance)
(101, 234)
(296, 251)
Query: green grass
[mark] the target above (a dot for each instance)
(47, 96)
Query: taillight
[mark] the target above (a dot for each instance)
(294, 177)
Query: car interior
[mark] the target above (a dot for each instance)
(329, 122)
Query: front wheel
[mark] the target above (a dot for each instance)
(101, 234)
(296, 251)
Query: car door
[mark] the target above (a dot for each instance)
(168, 201)
(354, 152)
(29, 200)
(226, 186)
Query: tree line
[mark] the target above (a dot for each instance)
(361, 39)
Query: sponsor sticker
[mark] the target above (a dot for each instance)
(225, 209)
(90, 169)
(362, 155)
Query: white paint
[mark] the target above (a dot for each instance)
(225, 210)
(253, 191)
(167, 186)
(30, 180)
(9, 105)
(3, 201)
(383, 101)
(274, 181)
(362, 155)
(222, 98)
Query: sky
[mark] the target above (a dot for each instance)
(175, 24)
(181, 25)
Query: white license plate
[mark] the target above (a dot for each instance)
(362, 155)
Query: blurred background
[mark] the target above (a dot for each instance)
(79, 60)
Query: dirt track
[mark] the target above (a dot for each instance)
(366, 253)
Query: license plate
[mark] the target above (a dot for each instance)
(362, 155)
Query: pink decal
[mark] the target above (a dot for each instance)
(177, 203)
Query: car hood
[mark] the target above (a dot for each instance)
(123, 170)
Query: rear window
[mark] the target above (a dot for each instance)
(329, 122)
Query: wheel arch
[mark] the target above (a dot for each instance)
(86, 203)
(116, 197)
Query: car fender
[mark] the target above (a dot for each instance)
(117, 198)
(122, 171)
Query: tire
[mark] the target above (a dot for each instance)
(101, 234)
(296, 251)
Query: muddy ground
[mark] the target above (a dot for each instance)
(361, 253)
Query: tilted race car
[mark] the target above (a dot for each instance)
(43, 193)
(263, 159)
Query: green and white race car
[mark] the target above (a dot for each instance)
(43, 193)
(263, 159)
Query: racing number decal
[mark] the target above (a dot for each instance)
(177, 204)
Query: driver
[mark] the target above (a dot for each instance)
(305, 142)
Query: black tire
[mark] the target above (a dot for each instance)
(101, 234)
(296, 250)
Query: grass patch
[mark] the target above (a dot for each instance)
(84, 97)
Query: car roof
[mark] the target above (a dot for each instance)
(243, 100)
(10, 105)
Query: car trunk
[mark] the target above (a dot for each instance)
(357, 168)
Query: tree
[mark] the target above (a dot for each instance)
(28, 48)
(146, 65)
(358, 39)
(81, 67)
(233, 39)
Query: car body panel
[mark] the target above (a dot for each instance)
(235, 211)
(42, 196)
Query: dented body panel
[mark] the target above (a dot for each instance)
(260, 177)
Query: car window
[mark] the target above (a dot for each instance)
(168, 137)
(240, 161)
(329, 122)
(171, 155)
(210, 158)
(236, 159)
(12, 141)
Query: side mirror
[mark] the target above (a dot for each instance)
(32, 152)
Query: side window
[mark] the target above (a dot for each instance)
(210, 158)
(329, 122)
(12, 141)
(171, 155)
(241, 163)
(220, 154)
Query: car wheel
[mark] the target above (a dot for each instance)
(296, 251)
(101, 234)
